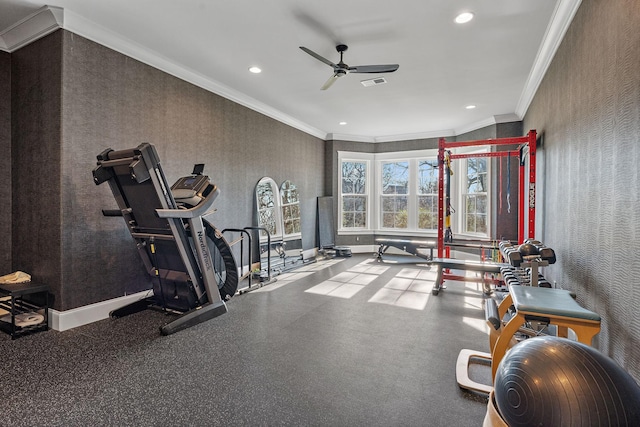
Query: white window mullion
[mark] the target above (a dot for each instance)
(412, 205)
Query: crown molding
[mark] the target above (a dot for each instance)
(45, 20)
(81, 26)
(389, 138)
(507, 118)
(493, 120)
(50, 18)
(347, 137)
(417, 135)
(475, 126)
(561, 19)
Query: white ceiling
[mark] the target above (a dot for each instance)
(494, 62)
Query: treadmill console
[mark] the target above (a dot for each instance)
(191, 183)
(191, 189)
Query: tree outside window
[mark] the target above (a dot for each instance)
(476, 196)
(290, 208)
(354, 194)
(394, 197)
(428, 194)
(268, 218)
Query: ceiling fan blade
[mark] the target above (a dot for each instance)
(318, 57)
(388, 68)
(329, 82)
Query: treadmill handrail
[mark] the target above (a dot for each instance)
(199, 210)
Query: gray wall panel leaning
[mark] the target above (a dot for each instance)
(5, 163)
(587, 109)
(35, 161)
(105, 99)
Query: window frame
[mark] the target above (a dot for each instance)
(413, 157)
(366, 158)
(373, 184)
(291, 205)
(418, 194)
(276, 209)
(380, 195)
(461, 195)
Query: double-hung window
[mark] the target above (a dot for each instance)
(427, 194)
(290, 210)
(397, 193)
(394, 194)
(354, 194)
(269, 215)
(475, 196)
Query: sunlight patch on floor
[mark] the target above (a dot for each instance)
(350, 282)
(297, 274)
(478, 324)
(410, 288)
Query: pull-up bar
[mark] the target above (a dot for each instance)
(528, 142)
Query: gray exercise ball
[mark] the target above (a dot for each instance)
(551, 381)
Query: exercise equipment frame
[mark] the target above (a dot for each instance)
(526, 142)
(175, 242)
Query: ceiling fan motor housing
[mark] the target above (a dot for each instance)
(341, 69)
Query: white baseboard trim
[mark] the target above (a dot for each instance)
(69, 319)
(362, 249)
(309, 253)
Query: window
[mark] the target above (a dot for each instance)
(268, 209)
(290, 210)
(354, 194)
(475, 196)
(395, 194)
(427, 194)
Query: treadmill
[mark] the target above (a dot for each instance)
(192, 268)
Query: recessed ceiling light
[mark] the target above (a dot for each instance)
(464, 17)
(255, 70)
(470, 107)
(342, 123)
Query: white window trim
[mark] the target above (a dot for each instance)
(411, 199)
(293, 236)
(412, 205)
(373, 180)
(459, 186)
(416, 211)
(277, 210)
(367, 158)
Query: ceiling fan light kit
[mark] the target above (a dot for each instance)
(341, 69)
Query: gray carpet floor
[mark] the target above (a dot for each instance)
(344, 342)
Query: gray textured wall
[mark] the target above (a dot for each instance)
(588, 109)
(106, 99)
(5, 163)
(35, 156)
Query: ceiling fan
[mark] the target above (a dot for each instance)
(341, 69)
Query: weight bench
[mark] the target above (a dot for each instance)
(413, 247)
(552, 306)
(467, 265)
